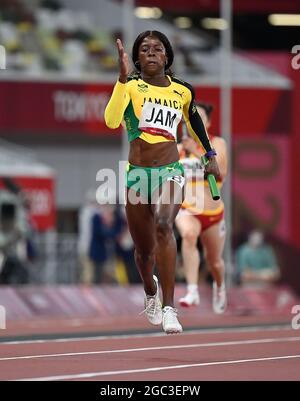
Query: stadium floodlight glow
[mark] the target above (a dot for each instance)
(284, 19)
(214, 23)
(148, 12)
(183, 22)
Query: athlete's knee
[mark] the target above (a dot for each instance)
(216, 265)
(190, 238)
(164, 227)
(145, 257)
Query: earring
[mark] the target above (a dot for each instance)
(137, 63)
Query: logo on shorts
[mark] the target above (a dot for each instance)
(179, 179)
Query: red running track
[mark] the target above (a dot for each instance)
(254, 353)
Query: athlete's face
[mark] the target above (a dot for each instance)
(152, 55)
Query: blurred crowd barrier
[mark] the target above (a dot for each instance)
(27, 304)
(57, 261)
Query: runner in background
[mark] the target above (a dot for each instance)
(201, 216)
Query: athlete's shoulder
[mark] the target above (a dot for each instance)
(133, 77)
(219, 140)
(183, 83)
(219, 144)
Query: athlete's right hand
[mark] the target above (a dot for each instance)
(212, 168)
(123, 62)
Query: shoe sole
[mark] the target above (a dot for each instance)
(220, 311)
(174, 331)
(187, 305)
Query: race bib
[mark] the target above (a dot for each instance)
(160, 120)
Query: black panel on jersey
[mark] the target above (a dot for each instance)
(194, 117)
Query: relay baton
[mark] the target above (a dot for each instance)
(214, 190)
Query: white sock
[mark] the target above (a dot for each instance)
(223, 284)
(222, 287)
(192, 288)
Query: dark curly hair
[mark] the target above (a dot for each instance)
(162, 38)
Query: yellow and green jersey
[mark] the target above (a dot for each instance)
(152, 113)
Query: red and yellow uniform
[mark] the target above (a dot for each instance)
(198, 198)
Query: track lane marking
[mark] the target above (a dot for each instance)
(249, 329)
(157, 348)
(155, 369)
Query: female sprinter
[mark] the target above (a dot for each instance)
(152, 103)
(203, 218)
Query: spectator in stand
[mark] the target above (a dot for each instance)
(125, 251)
(256, 261)
(17, 229)
(13, 251)
(106, 225)
(84, 239)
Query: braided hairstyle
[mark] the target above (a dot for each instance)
(165, 42)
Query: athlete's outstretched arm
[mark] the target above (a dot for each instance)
(116, 106)
(119, 100)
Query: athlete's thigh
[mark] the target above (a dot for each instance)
(168, 201)
(187, 224)
(141, 224)
(213, 240)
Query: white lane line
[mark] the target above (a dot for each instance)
(249, 329)
(159, 348)
(155, 369)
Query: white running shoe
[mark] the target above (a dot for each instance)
(190, 299)
(219, 298)
(170, 322)
(153, 306)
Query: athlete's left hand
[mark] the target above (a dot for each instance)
(212, 168)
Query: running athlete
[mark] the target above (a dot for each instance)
(202, 218)
(152, 102)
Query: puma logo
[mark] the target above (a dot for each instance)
(178, 93)
(179, 179)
